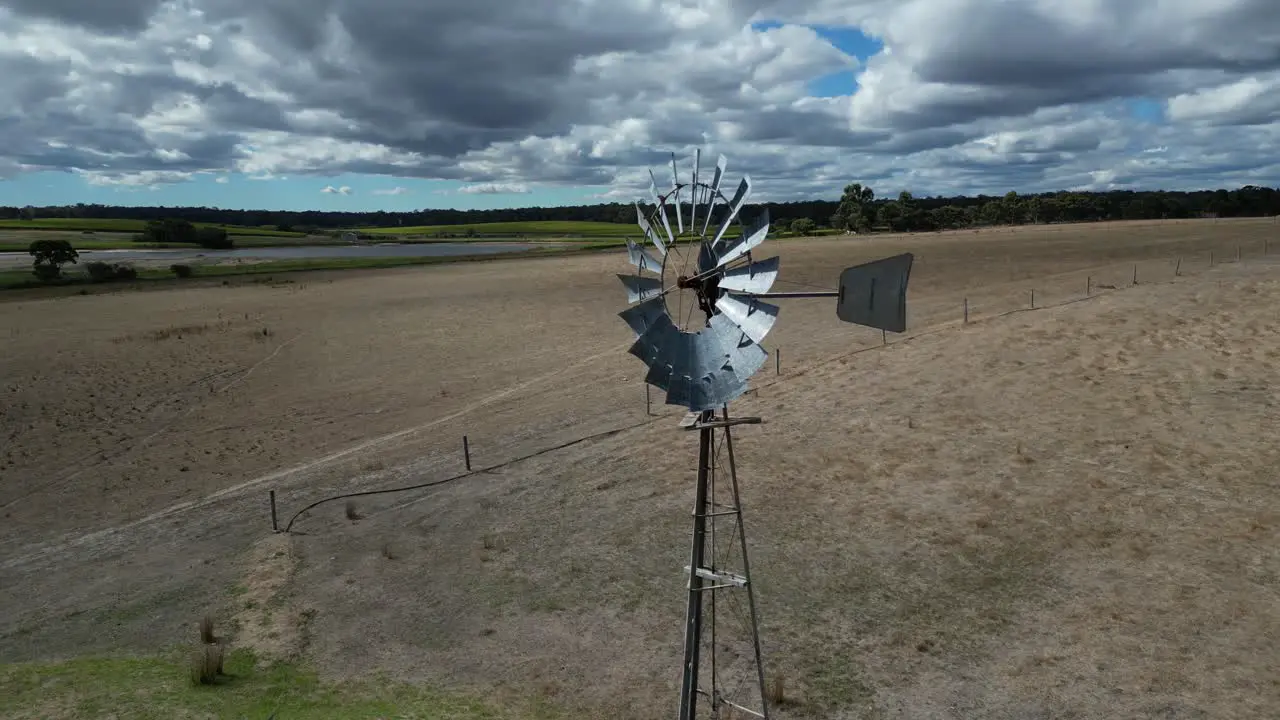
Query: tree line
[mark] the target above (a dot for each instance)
(858, 210)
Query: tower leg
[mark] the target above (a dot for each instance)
(707, 578)
(693, 612)
(746, 570)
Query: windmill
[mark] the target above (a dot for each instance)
(698, 311)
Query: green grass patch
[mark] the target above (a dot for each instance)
(119, 225)
(161, 688)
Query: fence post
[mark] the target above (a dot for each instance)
(1088, 286)
(275, 523)
(1033, 298)
(466, 452)
(646, 400)
(1177, 269)
(1210, 258)
(884, 337)
(966, 310)
(1237, 253)
(777, 361)
(1135, 273)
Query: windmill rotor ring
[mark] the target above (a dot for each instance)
(697, 327)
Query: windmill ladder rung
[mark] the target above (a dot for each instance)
(723, 578)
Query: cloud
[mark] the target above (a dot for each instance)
(494, 189)
(116, 16)
(965, 96)
(223, 180)
(331, 190)
(145, 178)
(393, 191)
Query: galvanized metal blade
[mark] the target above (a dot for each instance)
(755, 317)
(641, 288)
(747, 357)
(707, 258)
(675, 194)
(645, 315)
(647, 229)
(739, 199)
(716, 378)
(672, 360)
(641, 258)
(661, 207)
(751, 238)
(694, 191)
(655, 347)
(757, 277)
(721, 163)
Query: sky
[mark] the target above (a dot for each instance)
(403, 104)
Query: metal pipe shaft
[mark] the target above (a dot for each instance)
(814, 294)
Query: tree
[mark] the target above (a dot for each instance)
(855, 210)
(910, 218)
(890, 215)
(1013, 210)
(214, 238)
(948, 217)
(802, 226)
(169, 230)
(50, 256)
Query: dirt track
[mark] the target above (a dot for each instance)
(1040, 577)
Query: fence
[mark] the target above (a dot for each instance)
(928, 314)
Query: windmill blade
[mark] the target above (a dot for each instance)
(720, 374)
(641, 288)
(641, 258)
(707, 258)
(675, 190)
(750, 239)
(647, 229)
(721, 163)
(754, 317)
(757, 277)
(693, 199)
(655, 347)
(746, 358)
(672, 345)
(739, 199)
(644, 316)
(874, 294)
(683, 364)
(661, 207)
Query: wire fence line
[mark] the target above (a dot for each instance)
(932, 315)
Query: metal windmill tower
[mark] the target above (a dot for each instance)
(699, 315)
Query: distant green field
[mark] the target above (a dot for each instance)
(546, 228)
(583, 229)
(113, 225)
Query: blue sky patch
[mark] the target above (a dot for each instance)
(301, 192)
(849, 40)
(1146, 110)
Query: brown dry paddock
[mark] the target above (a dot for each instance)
(1058, 512)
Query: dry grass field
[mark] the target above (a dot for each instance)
(1066, 513)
